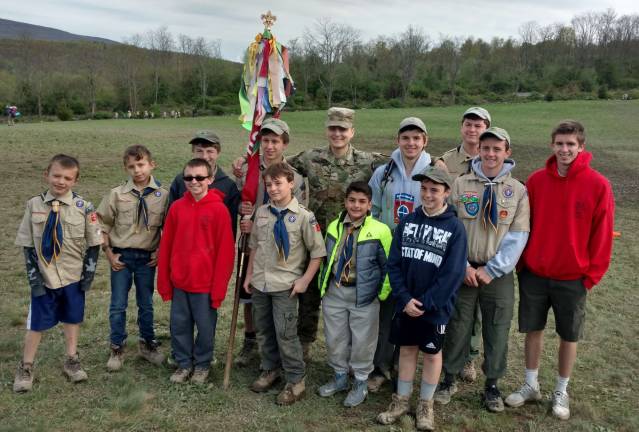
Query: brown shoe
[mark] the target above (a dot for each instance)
(149, 352)
(116, 358)
(180, 376)
(266, 381)
(375, 382)
(469, 373)
(397, 408)
(292, 393)
(248, 353)
(73, 370)
(23, 381)
(425, 416)
(200, 375)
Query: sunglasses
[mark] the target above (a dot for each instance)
(189, 179)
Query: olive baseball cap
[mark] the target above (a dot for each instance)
(480, 112)
(496, 132)
(342, 117)
(205, 135)
(435, 174)
(412, 121)
(276, 125)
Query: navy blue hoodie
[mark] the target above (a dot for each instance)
(427, 262)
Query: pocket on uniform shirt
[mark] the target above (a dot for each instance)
(126, 212)
(38, 221)
(75, 225)
(506, 209)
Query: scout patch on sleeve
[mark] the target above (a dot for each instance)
(471, 202)
(404, 204)
(315, 224)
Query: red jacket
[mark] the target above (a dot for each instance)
(197, 248)
(571, 222)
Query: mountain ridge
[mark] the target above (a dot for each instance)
(15, 30)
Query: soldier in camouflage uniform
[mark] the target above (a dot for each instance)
(329, 171)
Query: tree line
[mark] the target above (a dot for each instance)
(596, 55)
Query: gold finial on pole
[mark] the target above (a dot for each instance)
(268, 19)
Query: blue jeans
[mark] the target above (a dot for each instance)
(136, 270)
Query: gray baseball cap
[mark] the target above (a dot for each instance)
(342, 117)
(480, 112)
(498, 133)
(205, 135)
(435, 174)
(276, 125)
(412, 121)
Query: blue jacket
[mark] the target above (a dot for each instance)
(427, 262)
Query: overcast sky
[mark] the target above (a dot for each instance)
(235, 23)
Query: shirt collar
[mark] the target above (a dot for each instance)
(293, 206)
(347, 159)
(129, 185)
(355, 224)
(66, 198)
(437, 213)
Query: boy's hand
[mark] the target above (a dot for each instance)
(114, 260)
(412, 308)
(237, 166)
(246, 225)
(153, 262)
(471, 277)
(299, 287)
(482, 276)
(247, 285)
(246, 208)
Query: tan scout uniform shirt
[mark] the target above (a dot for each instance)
(80, 230)
(352, 274)
(118, 214)
(457, 161)
(513, 212)
(270, 274)
(299, 188)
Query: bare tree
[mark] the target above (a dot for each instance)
(92, 59)
(160, 44)
(205, 51)
(409, 49)
(449, 56)
(131, 60)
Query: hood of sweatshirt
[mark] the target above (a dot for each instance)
(509, 165)
(579, 164)
(450, 212)
(212, 196)
(422, 162)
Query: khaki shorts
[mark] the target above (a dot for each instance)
(566, 297)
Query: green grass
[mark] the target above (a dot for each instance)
(603, 388)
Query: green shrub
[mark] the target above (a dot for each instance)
(63, 112)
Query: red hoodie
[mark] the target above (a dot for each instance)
(197, 248)
(571, 222)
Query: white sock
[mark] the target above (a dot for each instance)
(562, 384)
(531, 378)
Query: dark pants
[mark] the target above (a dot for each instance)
(475, 340)
(309, 312)
(135, 271)
(385, 356)
(189, 310)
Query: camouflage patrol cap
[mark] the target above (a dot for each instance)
(342, 117)
(207, 136)
(435, 174)
(412, 121)
(496, 132)
(275, 125)
(480, 112)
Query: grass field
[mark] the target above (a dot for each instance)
(604, 389)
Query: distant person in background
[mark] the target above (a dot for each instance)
(11, 112)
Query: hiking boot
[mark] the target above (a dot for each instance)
(181, 375)
(149, 352)
(23, 381)
(247, 353)
(200, 375)
(357, 395)
(306, 351)
(444, 392)
(266, 380)
(469, 373)
(525, 394)
(292, 393)
(425, 416)
(561, 405)
(337, 384)
(492, 399)
(397, 408)
(375, 382)
(73, 370)
(116, 358)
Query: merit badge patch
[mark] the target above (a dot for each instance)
(158, 193)
(79, 203)
(292, 218)
(471, 202)
(508, 192)
(503, 214)
(404, 204)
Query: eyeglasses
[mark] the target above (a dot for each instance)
(189, 179)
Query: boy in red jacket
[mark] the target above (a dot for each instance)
(572, 213)
(194, 267)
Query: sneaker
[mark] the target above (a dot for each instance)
(116, 359)
(561, 405)
(266, 380)
(181, 375)
(149, 352)
(23, 381)
(525, 394)
(73, 370)
(469, 373)
(397, 408)
(292, 393)
(425, 416)
(200, 375)
(375, 382)
(357, 395)
(248, 352)
(337, 384)
(444, 392)
(492, 399)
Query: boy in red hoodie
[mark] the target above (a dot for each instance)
(572, 213)
(194, 267)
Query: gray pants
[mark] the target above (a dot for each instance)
(275, 320)
(385, 357)
(350, 331)
(189, 310)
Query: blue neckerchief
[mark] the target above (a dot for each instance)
(280, 233)
(344, 262)
(489, 206)
(52, 237)
(142, 208)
